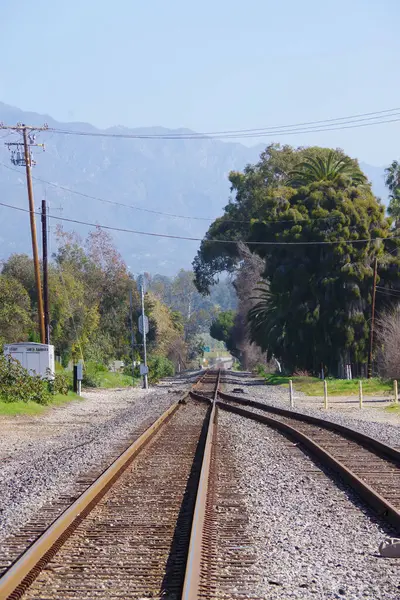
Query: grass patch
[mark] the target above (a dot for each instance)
(395, 408)
(312, 386)
(114, 380)
(12, 409)
(61, 399)
(273, 379)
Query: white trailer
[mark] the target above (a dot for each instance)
(38, 359)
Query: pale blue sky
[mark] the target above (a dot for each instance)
(207, 65)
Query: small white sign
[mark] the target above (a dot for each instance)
(144, 370)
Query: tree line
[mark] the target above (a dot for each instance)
(309, 229)
(89, 286)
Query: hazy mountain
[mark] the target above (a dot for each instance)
(181, 177)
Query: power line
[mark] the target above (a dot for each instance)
(164, 214)
(386, 293)
(355, 125)
(361, 120)
(391, 291)
(114, 202)
(193, 239)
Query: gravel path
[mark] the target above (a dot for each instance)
(41, 458)
(309, 539)
(389, 433)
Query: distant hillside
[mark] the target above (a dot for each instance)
(175, 176)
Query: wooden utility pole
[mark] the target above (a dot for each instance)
(33, 234)
(45, 274)
(371, 330)
(21, 156)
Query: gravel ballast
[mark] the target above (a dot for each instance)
(310, 538)
(387, 433)
(42, 457)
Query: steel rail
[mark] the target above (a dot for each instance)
(192, 581)
(371, 443)
(25, 569)
(384, 508)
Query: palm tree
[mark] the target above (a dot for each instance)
(260, 317)
(392, 181)
(392, 176)
(330, 167)
(267, 320)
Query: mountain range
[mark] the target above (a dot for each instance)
(179, 177)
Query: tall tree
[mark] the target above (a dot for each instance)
(94, 283)
(112, 282)
(256, 195)
(329, 167)
(310, 215)
(392, 181)
(166, 331)
(247, 277)
(222, 329)
(20, 267)
(317, 305)
(15, 311)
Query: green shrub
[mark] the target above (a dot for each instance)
(92, 374)
(91, 379)
(159, 367)
(17, 384)
(60, 384)
(260, 370)
(127, 370)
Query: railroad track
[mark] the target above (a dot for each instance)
(367, 465)
(165, 520)
(148, 526)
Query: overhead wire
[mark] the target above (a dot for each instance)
(353, 119)
(389, 291)
(195, 239)
(338, 123)
(386, 293)
(106, 201)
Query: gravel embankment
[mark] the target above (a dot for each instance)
(42, 457)
(310, 539)
(279, 396)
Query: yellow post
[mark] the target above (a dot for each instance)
(325, 395)
(396, 393)
(360, 393)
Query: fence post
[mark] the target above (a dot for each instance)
(396, 393)
(291, 393)
(360, 393)
(325, 395)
